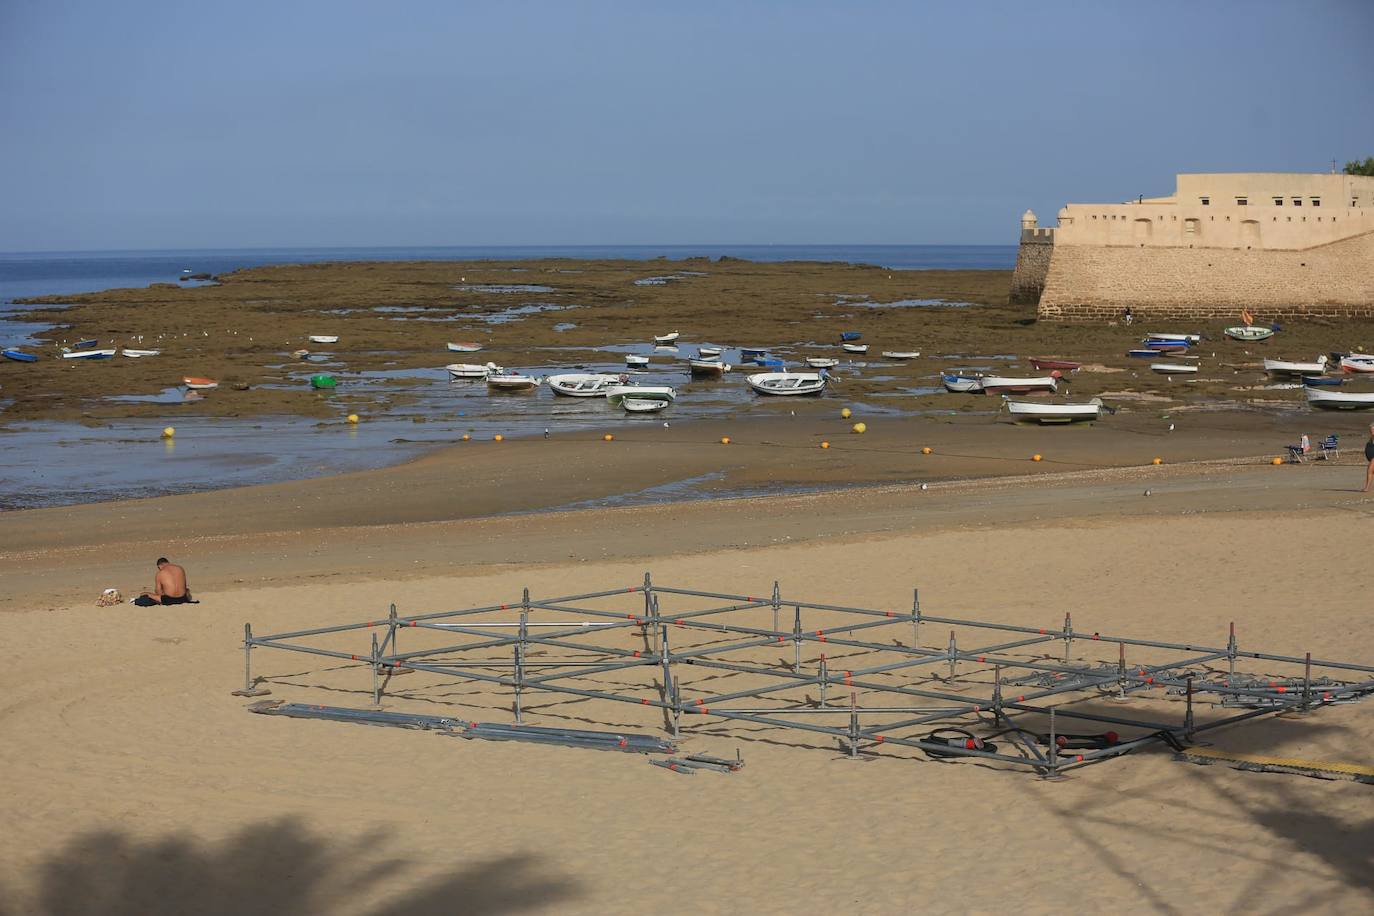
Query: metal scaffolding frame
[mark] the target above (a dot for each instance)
(1003, 703)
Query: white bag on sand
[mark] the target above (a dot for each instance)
(109, 598)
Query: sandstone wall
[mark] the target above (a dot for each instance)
(1091, 282)
(1032, 265)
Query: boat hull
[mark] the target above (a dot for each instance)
(583, 385)
(1044, 365)
(787, 383)
(19, 356)
(1054, 413)
(1248, 335)
(1002, 385)
(1340, 400)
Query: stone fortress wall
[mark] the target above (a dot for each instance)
(1279, 244)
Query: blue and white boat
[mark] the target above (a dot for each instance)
(849, 335)
(1322, 380)
(1142, 354)
(19, 356)
(961, 384)
(752, 352)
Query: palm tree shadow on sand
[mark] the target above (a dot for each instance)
(275, 866)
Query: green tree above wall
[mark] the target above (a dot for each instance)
(1360, 168)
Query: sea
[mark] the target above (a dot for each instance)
(63, 463)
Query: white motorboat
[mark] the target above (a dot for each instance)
(583, 384)
(512, 381)
(704, 352)
(998, 384)
(787, 383)
(471, 370)
(1288, 367)
(636, 362)
(1339, 400)
(961, 384)
(666, 338)
(1248, 333)
(616, 395)
(1054, 413)
(1356, 362)
(323, 338)
(1174, 368)
(89, 354)
(1187, 338)
(709, 368)
(643, 405)
(461, 347)
(901, 354)
(139, 354)
(854, 348)
(822, 362)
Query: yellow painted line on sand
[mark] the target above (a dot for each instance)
(1292, 763)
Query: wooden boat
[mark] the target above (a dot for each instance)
(1340, 400)
(323, 338)
(961, 384)
(89, 354)
(618, 394)
(323, 381)
(1250, 334)
(704, 352)
(1054, 413)
(583, 384)
(1322, 380)
(636, 362)
(1045, 364)
(19, 356)
(199, 384)
(708, 368)
(1288, 367)
(1357, 363)
(471, 370)
(666, 338)
(822, 362)
(846, 336)
(994, 384)
(752, 352)
(85, 344)
(511, 381)
(787, 383)
(1162, 346)
(139, 354)
(643, 405)
(854, 348)
(465, 346)
(1142, 354)
(1174, 368)
(1185, 338)
(901, 354)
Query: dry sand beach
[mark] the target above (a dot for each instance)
(138, 784)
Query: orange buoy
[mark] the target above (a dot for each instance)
(1036, 457)
(825, 445)
(724, 440)
(1158, 461)
(927, 450)
(466, 437)
(608, 437)
(1277, 461)
(498, 438)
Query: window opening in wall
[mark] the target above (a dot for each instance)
(1278, 201)
(1316, 201)
(1297, 201)
(1242, 201)
(1205, 201)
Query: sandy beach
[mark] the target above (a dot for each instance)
(141, 785)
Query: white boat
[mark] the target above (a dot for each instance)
(666, 338)
(199, 384)
(1054, 413)
(854, 348)
(643, 405)
(1340, 400)
(471, 370)
(1249, 333)
(89, 354)
(998, 384)
(323, 338)
(138, 354)
(901, 354)
(463, 347)
(1174, 368)
(787, 382)
(822, 362)
(1288, 367)
(1356, 363)
(704, 352)
(961, 384)
(1187, 338)
(512, 381)
(616, 395)
(712, 368)
(583, 384)
(636, 362)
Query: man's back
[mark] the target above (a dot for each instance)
(171, 580)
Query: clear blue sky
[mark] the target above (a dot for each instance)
(240, 123)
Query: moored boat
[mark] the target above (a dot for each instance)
(582, 384)
(822, 362)
(323, 381)
(1165, 345)
(1340, 400)
(139, 354)
(85, 344)
(961, 384)
(666, 338)
(1249, 333)
(704, 352)
(471, 370)
(1054, 413)
(462, 346)
(323, 338)
(1046, 363)
(752, 352)
(1322, 380)
(644, 405)
(89, 354)
(1289, 367)
(199, 384)
(901, 354)
(1174, 368)
(996, 384)
(616, 395)
(1142, 354)
(636, 362)
(854, 348)
(709, 368)
(19, 356)
(787, 383)
(1357, 362)
(849, 335)
(506, 380)
(1185, 338)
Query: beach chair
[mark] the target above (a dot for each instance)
(1297, 454)
(1329, 447)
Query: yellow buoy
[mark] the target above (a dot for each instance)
(846, 413)
(724, 440)
(1277, 461)
(1036, 457)
(498, 437)
(168, 432)
(353, 418)
(860, 427)
(466, 437)
(825, 445)
(1158, 461)
(608, 437)
(927, 450)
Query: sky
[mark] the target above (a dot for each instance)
(193, 124)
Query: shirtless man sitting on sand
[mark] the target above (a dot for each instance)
(169, 587)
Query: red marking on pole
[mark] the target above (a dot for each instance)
(1149, 680)
(371, 624)
(982, 658)
(1326, 696)
(703, 710)
(639, 620)
(977, 709)
(503, 607)
(699, 702)
(622, 743)
(846, 680)
(1095, 636)
(820, 632)
(1078, 759)
(880, 738)
(1042, 631)
(470, 724)
(644, 702)
(822, 638)
(636, 653)
(354, 657)
(679, 622)
(782, 639)
(629, 616)
(412, 623)
(1283, 690)
(630, 589)
(747, 598)
(672, 766)
(1021, 698)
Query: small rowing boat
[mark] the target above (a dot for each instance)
(993, 384)
(617, 395)
(199, 384)
(704, 352)
(643, 405)
(1249, 334)
(1322, 380)
(323, 338)
(85, 344)
(822, 362)
(139, 354)
(787, 383)
(666, 338)
(1142, 354)
(961, 384)
(89, 354)
(465, 346)
(901, 354)
(471, 370)
(849, 335)
(707, 368)
(636, 362)
(1288, 367)
(752, 352)
(583, 384)
(1354, 362)
(19, 356)
(1054, 413)
(511, 381)
(1340, 400)
(1174, 368)
(1185, 338)
(1162, 346)
(1045, 364)
(854, 348)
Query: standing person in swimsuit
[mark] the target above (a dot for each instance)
(1369, 456)
(169, 587)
